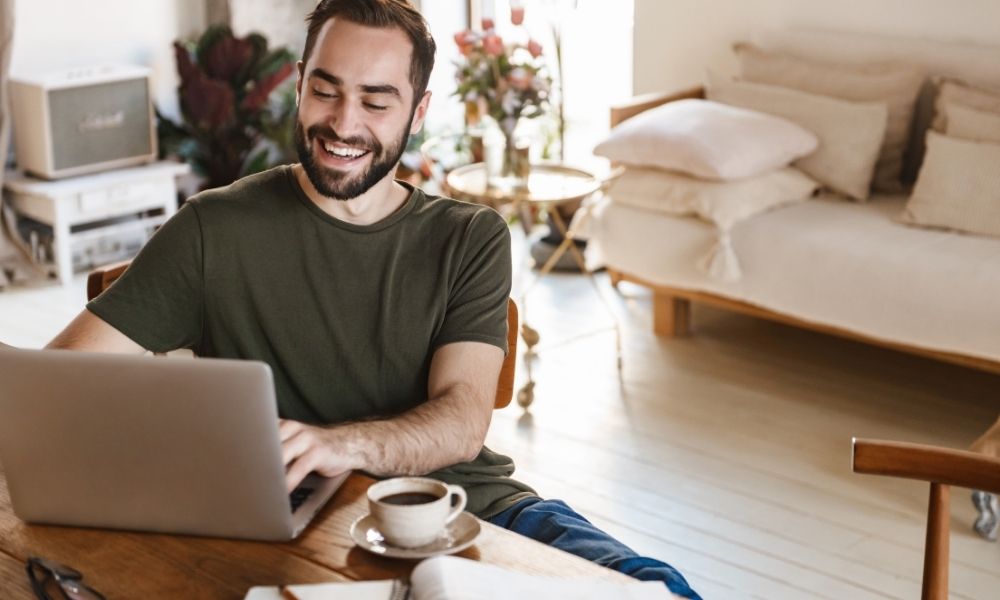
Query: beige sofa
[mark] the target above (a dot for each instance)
(839, 267)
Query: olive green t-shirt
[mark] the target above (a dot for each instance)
(347, 316)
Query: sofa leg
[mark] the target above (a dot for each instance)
(615, 277)
(671, 315)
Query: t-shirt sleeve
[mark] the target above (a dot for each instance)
(158, 301)
(477, 302)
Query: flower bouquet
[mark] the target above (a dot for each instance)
(505, 80)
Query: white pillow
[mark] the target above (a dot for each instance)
(724, 203)
(708, 140)
(850, 133)
(894, 83)
(971, 124)
(958, 186)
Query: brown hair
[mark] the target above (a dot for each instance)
(382, 14)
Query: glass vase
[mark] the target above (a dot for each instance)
(509, 172)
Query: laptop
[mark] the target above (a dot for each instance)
(172, 445)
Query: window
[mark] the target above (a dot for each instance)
(596, 38)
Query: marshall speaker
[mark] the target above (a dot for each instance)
(82, 121)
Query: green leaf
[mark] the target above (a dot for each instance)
(257, 162)
(208, 39)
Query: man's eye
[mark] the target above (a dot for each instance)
(375, 106)
(320, 94)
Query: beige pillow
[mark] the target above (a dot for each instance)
(724, 203)
(958, 186)
(956, 92)
(708, 140)
(893, 83)
(971, 124)
(850, 133)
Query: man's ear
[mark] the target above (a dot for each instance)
(420, 113)
(300, 66)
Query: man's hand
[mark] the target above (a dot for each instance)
(306, 448)
(448, 428)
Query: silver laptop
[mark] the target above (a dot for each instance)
(173, 445)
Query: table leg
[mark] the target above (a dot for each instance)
(530, 336)
(63, 257)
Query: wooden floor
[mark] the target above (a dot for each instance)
(726, 454)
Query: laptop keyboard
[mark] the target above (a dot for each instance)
(299, 495)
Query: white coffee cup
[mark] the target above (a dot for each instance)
(414, 511)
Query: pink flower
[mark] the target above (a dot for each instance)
(493, 45)
(517, 15)
(463, 38)
(487, 24)
(534, 48)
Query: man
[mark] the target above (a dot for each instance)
(381, 311)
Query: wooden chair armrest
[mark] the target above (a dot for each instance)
(100, 279)
(638, 104)
(927, 463)
(505, 383)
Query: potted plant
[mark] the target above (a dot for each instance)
(231, 126)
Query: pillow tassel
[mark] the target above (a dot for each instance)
(721, 263)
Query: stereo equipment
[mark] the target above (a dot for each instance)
(83, 120)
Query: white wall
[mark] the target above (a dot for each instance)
(675, 40)
(59, 34)
(282, 23)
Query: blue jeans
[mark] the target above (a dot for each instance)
(555, 524)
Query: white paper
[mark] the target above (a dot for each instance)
(453, 578)
(341, 590)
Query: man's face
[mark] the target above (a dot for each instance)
(355, 109)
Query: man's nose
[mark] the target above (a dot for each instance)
(345, 118)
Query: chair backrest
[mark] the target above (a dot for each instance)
(102, 278)
(942, 467)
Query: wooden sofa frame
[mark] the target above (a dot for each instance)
(672, 306)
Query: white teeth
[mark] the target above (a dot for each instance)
(343, 152)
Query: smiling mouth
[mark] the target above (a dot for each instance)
(342, 153)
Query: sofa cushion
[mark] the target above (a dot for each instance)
(896, 84)
(958, 186)
(954, 92)
(971, 124)
(708, 140)
(850, 133)
(845, 265)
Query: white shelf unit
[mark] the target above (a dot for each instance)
(90, 214)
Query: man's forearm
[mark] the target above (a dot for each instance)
(436, 434)
(448, 428)
(445, 430)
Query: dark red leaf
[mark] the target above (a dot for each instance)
(227, 57)
(207, 103)
(262, 89)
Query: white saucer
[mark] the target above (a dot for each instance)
(459, 535)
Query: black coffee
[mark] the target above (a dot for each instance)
(408, 498)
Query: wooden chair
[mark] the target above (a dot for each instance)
(102, 278)
(942, 467)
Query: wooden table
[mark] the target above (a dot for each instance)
(144, 565)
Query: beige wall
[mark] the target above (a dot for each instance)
(675, 40)
(282, 23)
(63, 34)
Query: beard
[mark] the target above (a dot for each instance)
(337, 184)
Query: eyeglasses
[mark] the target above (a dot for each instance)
(53, 581)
